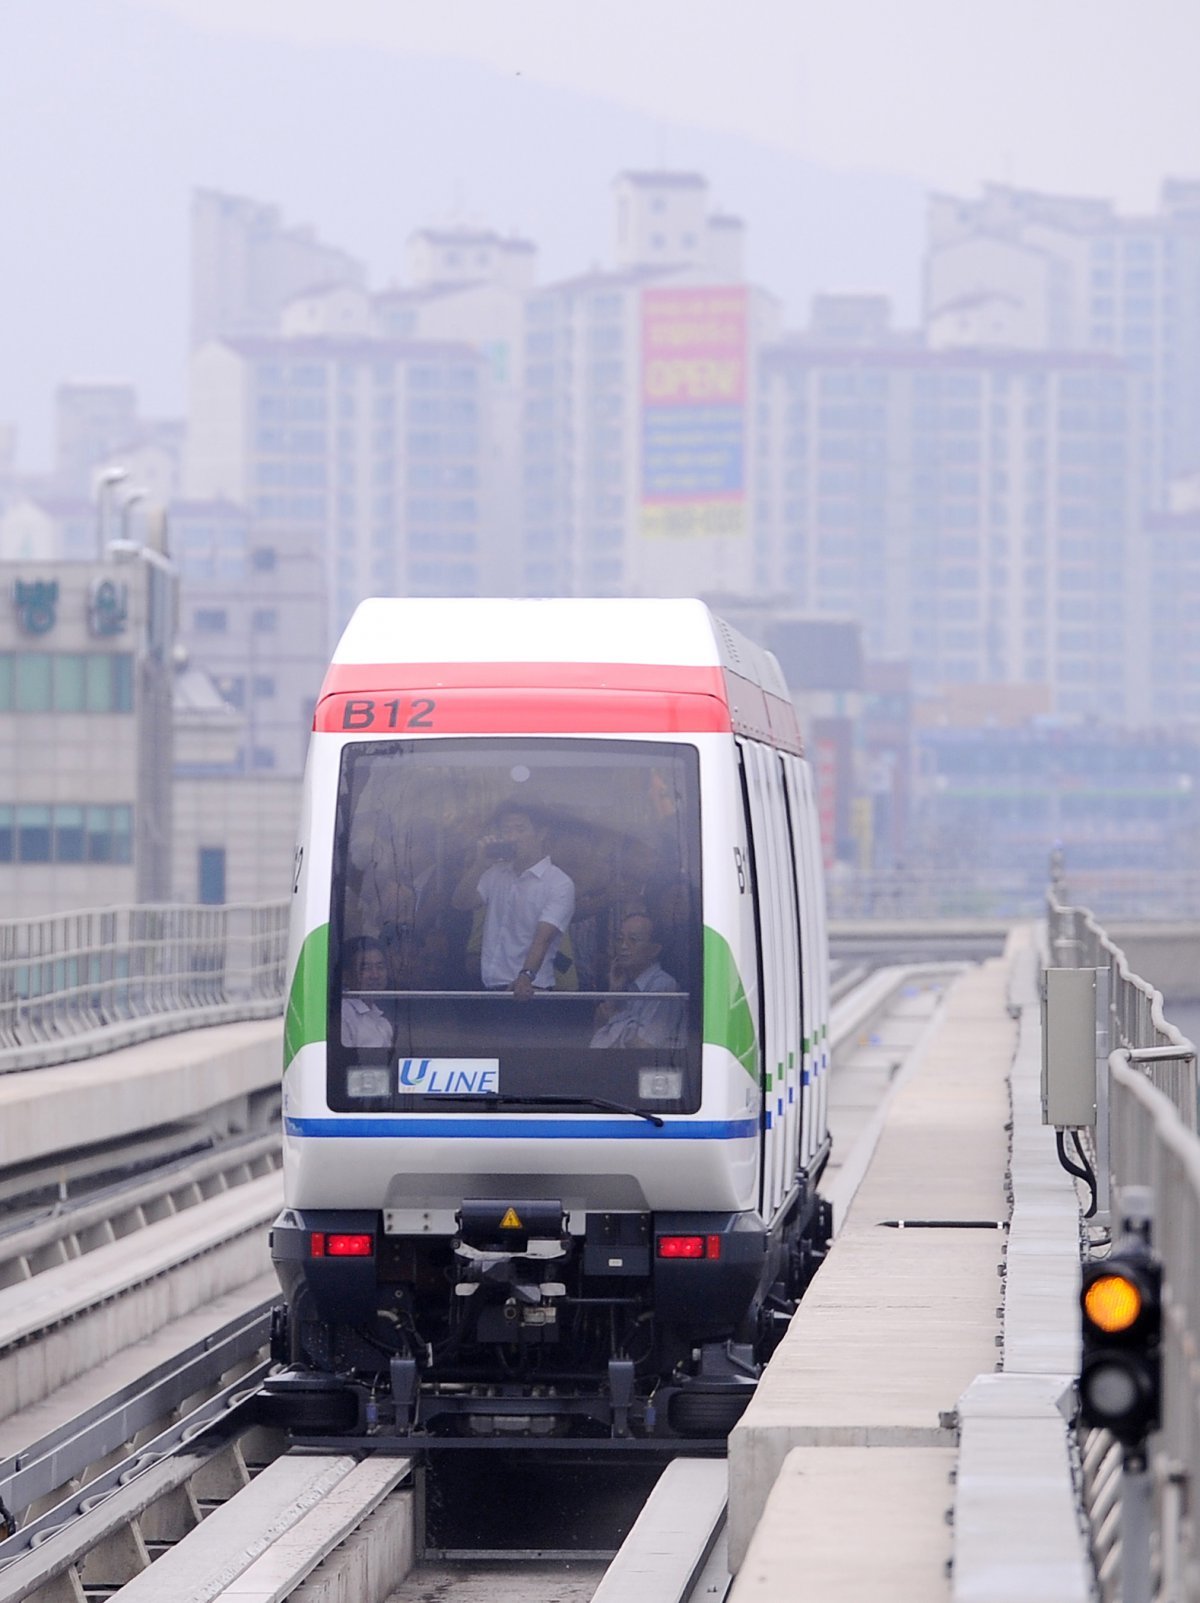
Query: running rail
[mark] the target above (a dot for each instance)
(76, 984)
(1153, 1141)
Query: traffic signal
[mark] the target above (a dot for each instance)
(1120, 1378)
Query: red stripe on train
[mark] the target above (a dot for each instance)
(549, 698)
(520, 712)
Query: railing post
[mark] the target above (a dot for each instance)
(1103, 1214)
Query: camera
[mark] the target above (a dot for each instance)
(501, 851)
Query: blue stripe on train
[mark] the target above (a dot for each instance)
(352, 1126)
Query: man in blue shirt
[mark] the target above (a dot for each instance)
(650, 1018)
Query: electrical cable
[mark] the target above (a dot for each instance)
(1091, 1173)
(1083, 1173)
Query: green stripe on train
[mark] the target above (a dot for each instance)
(308, 1001)
(727, 1018)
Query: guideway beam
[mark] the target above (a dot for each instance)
(258, 1547)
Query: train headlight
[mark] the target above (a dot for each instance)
(368, 1082)
(660, 1085)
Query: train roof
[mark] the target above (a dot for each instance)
(648, 644)
(680, 633)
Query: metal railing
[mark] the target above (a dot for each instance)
(1152, 1142)
(76, 984)
(1136, 1019)
(926, 889)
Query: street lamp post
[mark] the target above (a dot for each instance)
(105, 484)
(127, 506)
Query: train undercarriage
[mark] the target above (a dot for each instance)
(645, 1326)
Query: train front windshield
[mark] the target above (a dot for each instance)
(517, 921)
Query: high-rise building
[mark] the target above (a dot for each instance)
(253, 615)
(639, 428)
(370, 453)
(976, 510)
(91, 421)
(1170, 547)
(1015, 268)
(247, 264)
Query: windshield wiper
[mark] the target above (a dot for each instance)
(576, 1102)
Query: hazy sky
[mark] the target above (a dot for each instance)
(1092, 96)
(820, 122)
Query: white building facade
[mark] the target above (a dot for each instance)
(978, 511)
(1021, 269)
(639, 438)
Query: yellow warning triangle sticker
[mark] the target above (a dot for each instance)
(511, 1221)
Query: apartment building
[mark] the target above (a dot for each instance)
(1021, 269)
(976, 510)
(247, 264)
(638, 438)
(252, 615)
(371, 453)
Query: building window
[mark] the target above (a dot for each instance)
(33, 834)
(211, 875)
(33, 682)
(262, 757)
(210, 620)
(63, 681)
(264, 620)
(68, 678)
(68, 834)
(263, 559)
(109, 835)
(264, 687)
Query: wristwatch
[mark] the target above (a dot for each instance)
(527, 973)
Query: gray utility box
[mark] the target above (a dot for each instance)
(1069, 1047)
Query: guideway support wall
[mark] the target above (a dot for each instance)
(110, 1098)
(892, 1450)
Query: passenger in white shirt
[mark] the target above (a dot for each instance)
(649, 1019)
(527, 902)
(363, 1023)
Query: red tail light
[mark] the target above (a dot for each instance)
(350, 1246)
(689, 1246)
(322, 1245)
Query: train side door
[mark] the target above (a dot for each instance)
(779, 968)
(811, 951)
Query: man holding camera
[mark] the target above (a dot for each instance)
(527, 902)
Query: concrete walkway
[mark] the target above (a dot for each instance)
(842, 1473)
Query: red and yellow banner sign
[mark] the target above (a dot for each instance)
(694, 367)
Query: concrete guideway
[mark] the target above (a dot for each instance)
(53, 1110)
(668, 1552)
(888, 1383)
(69, 1318)
(265, 1542)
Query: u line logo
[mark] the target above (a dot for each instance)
(450, 1076)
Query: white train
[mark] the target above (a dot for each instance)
(556, 1033)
